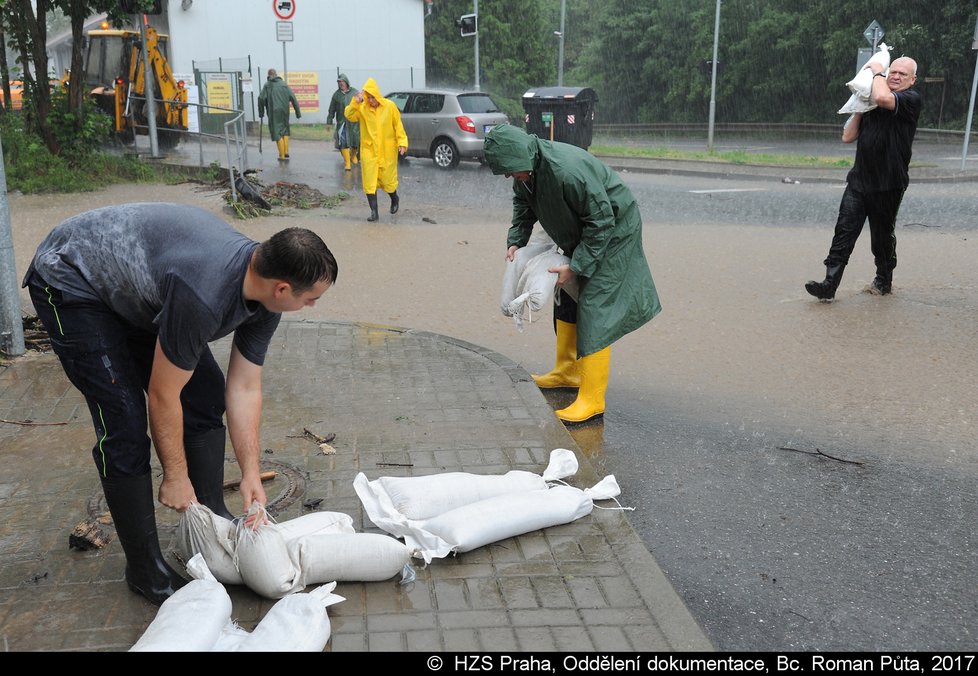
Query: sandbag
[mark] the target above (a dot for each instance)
(201, 531)
(296, 623)
(497, 518)
(861, 85)
(262, 556)
(538, 243)
(354, 557)
(535, 290)
(391, 502)
(193, 618)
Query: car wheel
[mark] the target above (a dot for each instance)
(444, 154)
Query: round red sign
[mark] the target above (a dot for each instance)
(284, 9)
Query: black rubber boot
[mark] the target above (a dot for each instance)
(395, 202)
(372, 201)
(825, 290)
(205, 465)
(882, 284)
(130, 499)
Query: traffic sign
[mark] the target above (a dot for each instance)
(283, 31)
(284, 9)
(873, 33)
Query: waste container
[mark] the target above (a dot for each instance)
(563, 114)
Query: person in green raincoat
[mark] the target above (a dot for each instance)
(347, 134)
(584, 206)
(382, 139)
(275, 97)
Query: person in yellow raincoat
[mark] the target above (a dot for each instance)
(382, 139)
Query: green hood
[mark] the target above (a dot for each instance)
(510, 149)
(342, 76)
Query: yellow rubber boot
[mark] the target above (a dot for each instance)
(286, 139)
(281, 148)
(346, 158)
(594, 384)
(565, 372)
(355, 156)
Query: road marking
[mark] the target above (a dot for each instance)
(700, 192)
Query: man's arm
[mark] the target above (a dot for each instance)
(850, 131)
(166, 381)
(243, 399)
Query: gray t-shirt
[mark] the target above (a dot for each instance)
(169, 269)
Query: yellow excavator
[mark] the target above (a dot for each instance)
(115, 76)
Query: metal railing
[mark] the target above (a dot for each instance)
(235, 136)
(792, 130)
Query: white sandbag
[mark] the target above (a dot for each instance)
(497, 518)
(315, 523)
(538, 243)
(390, 501)
(201, 531)
(192, 619)
(353, 557)
(296, 623)
(262, 556)
(535, 290)
(861, 85)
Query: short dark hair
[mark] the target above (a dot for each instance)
(297, 256)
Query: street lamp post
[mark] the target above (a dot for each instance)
(560, 54)
(713, 82)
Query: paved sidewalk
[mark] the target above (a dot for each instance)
(400, 402)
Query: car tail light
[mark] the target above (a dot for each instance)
(465, 123)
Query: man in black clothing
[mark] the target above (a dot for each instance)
(878, 178)
(131, 296)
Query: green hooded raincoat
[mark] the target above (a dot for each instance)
(592, 216)
(275, 97)
(347, 133)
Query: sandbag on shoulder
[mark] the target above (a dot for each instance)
(352, 557)
(296, 623)
(390, 501)
(193, 619)
(861, 85)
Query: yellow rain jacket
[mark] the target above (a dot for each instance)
(381, 132)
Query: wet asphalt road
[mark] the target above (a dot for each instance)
(772, 546)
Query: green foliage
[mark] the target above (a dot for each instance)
(79, 133)
(31, 168)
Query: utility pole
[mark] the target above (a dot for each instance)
(11, 321)
(475, 9)
(150, 90)
(971, 106)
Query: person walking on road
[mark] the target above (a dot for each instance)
(130, 296)
(585, 207)
(275, 97)
(346, 137)
(382, 140)
(878, 178)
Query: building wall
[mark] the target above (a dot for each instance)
(383, 39)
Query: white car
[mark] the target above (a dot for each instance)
(447, 125)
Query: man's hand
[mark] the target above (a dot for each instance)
(401, 149)
(176, 493)
(564, 273)
(359, 97)
(511, 252)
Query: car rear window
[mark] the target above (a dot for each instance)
(477, 103)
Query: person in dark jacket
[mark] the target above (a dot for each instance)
(275, 97)
(878, 178)
(346, 136)
(131, 296)
(584, 206)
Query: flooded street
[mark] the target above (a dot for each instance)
(803, 471)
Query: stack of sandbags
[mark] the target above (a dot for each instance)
(861, 86)
(275, 559)
(197, 618)
(457, 512)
